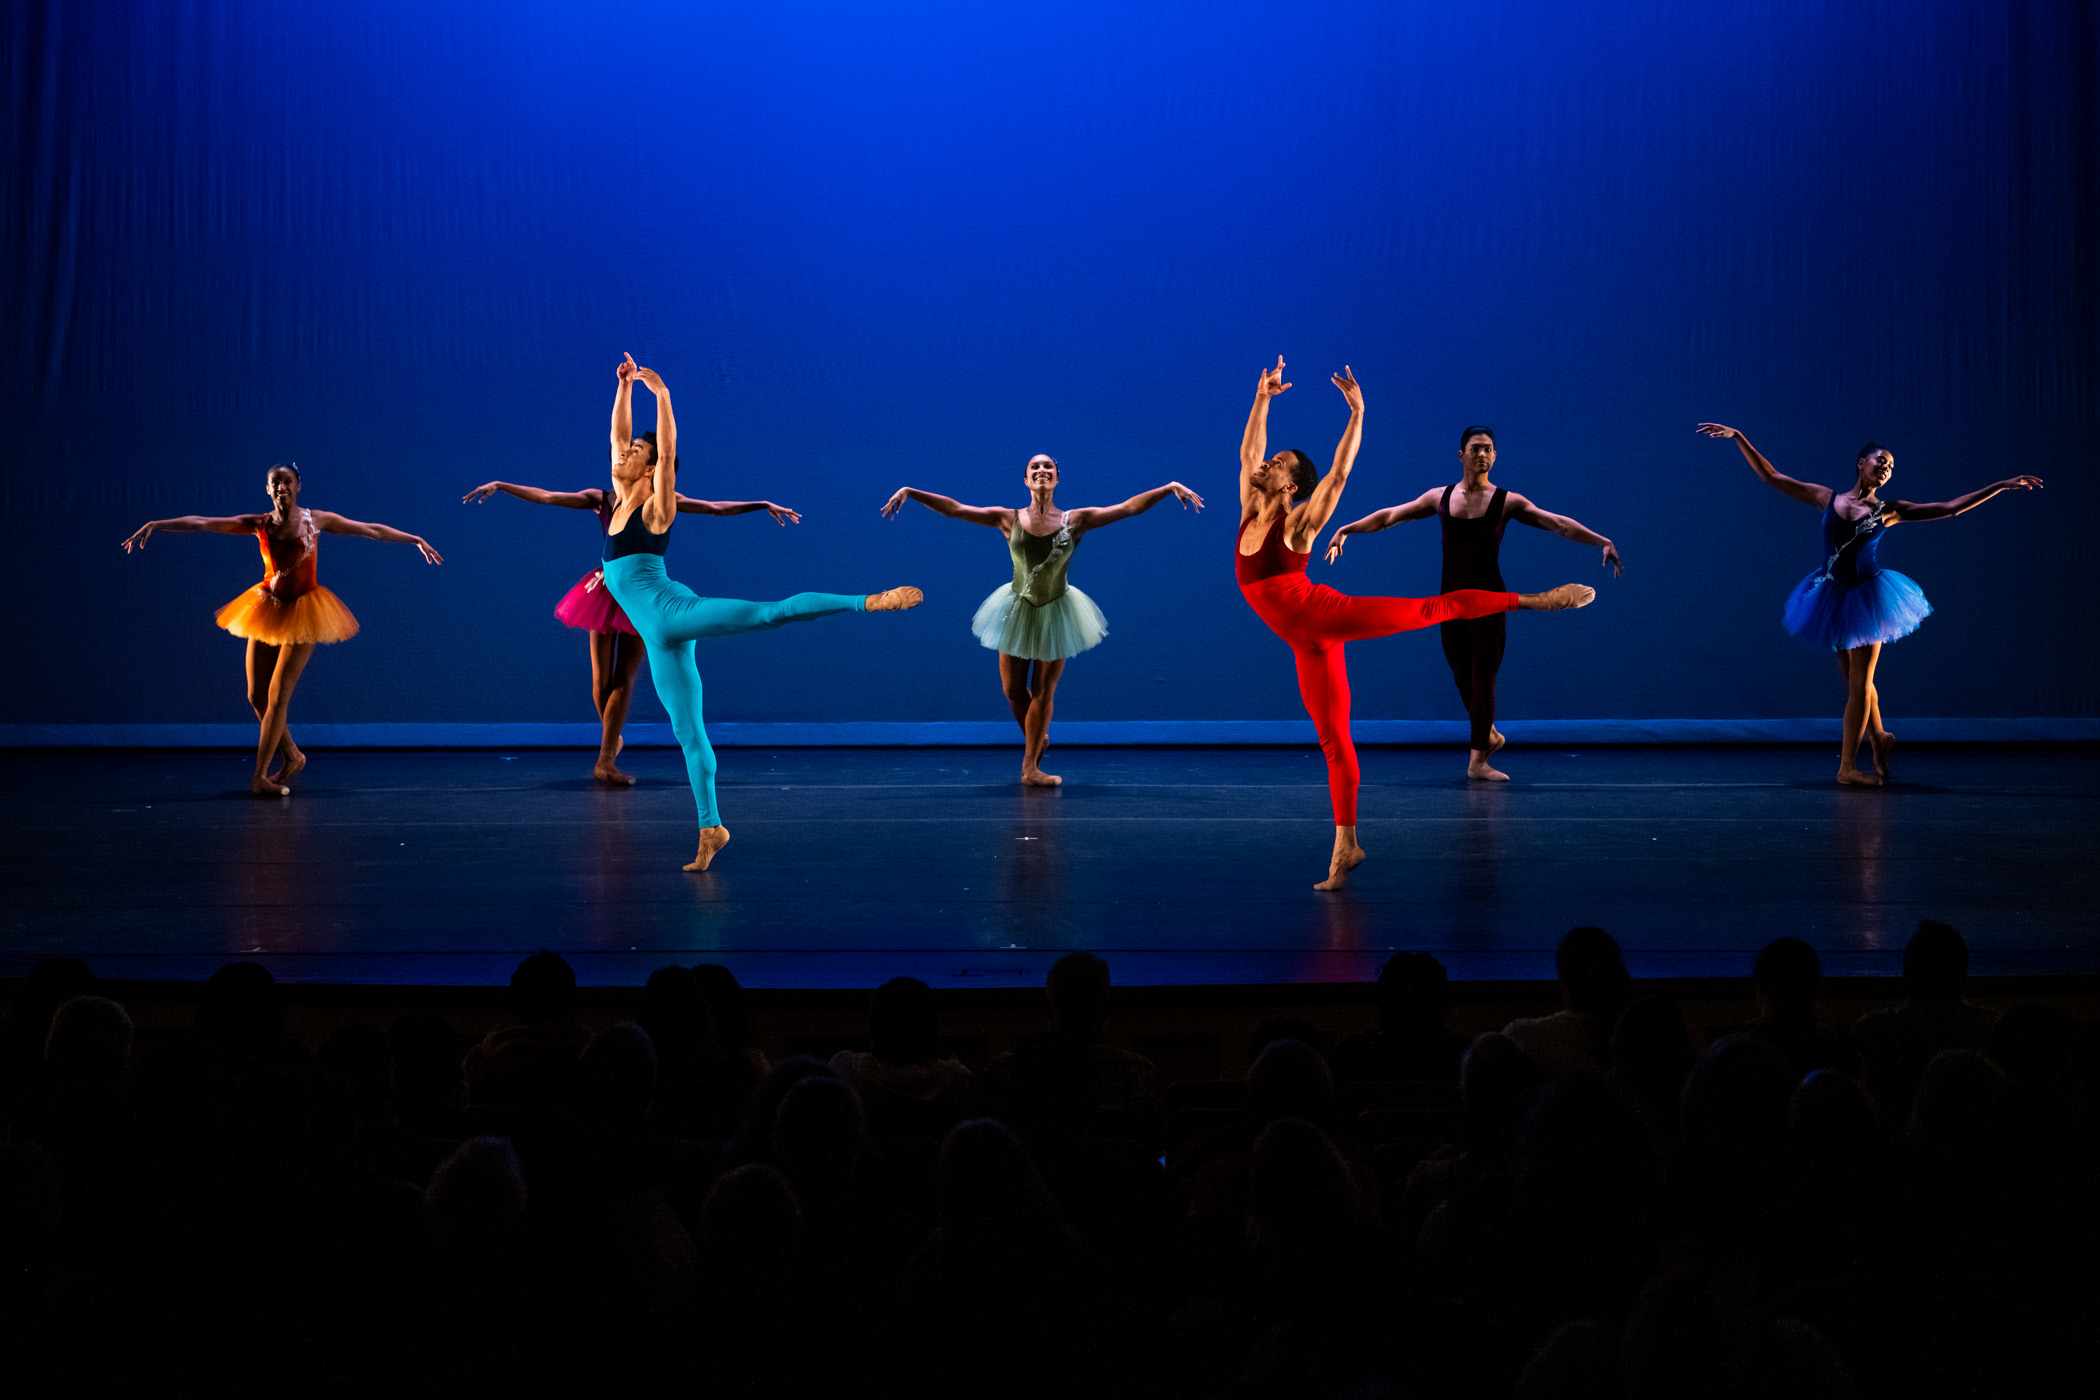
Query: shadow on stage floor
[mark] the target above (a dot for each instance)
(1180, 865)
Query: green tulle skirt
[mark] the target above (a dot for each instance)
(1064, 626)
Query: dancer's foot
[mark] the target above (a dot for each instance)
(605, 771)
(294, 763)
(1884, 749)
(1036, 777)
(1495, 740)
(712, 840)
(1849, 776)
(1480, 771)
(1568, 595)
(1344, 860)
(261, 786)
(894, 599)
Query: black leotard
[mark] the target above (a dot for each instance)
(632, 540)
(1473, 559)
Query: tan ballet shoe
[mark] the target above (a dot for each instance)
(1568, 595)
(894, 599)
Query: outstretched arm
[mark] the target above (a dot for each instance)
(184, 524)
(1567, 527)
(342, 525)
(1254, 442)
(1944, 510)
(1094, 517)
(1807, 492)
(623, 408)
(660, 511)
(1421, 507)
(998, 517)
(1313, 516)
(687, 505)
(568, 500)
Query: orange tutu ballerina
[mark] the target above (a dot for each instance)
(289, 606)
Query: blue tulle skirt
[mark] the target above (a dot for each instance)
(1879, 608)
(1064, 626)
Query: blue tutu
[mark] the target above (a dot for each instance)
(1881, 607)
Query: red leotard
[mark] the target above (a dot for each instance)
(1316, 621)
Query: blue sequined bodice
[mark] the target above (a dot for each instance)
(1850, 546)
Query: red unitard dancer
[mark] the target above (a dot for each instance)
(1284, 503)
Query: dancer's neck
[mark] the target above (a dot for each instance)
(1477, 481)
(1040, 504)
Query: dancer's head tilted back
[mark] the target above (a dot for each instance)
(1876, 464)
(1289, 471)
(639, 457)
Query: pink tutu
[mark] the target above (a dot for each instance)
(590, 605)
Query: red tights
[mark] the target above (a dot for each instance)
(1317, 621)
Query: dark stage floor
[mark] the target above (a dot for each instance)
(1180, 865)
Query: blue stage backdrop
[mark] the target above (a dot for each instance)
(871, 245)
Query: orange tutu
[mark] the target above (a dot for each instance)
(316, 615)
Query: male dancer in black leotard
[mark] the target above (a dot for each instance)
(1474, 513)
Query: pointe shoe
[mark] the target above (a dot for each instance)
(1568, 595)
(894, 599)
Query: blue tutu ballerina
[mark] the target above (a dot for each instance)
(1039, 621)
(1852, 605)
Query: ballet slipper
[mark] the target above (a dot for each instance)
(1568, 595)
(894, 599)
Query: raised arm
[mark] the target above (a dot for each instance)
(1806, 492)
(660, 511)
(1094, 517)
(1254, 442)
(999, 518)
(1312, 517)
(184, 524)
(1567, 527)
(1422, 507)
(568, 500)
(342, 525)
(623, 408)
(687, 505)
(1945, 510)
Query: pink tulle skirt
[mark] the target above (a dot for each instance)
(590, 605)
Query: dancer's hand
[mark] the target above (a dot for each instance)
(1188, 498)
(1611, 557)
(2016, 483)
(1334, 546)
(1716, 430)
(626, 369)
(138, 541)
(430, 556)
(651, 378)
(896, 503)
(480, 493)
(1346, 382)
(781, 514)
(1271, 383)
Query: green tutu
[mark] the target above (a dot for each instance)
(1065, 626)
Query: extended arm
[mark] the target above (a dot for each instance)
(1421, 507)
(1567, 527)
(342, 525)
(997, 517)
(568, 500)
(687, 505)
(1944, 510)
(1312, 518)
(1808, 493)
(623, 408)
(1254, 442)
(660, 511)
(1094, 517)
(184, 524)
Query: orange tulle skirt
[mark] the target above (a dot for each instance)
(316, 615)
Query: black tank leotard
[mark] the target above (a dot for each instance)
(635, 537)
(1473, 647)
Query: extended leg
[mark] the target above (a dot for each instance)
(1323, 684)
(1336, 617)
(691, 618)
(615, 657)
(1860, 701)
(291, 663)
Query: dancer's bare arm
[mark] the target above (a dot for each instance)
(623, 408)
(660, 511)
(1312, 517)
(1806, 492)
(335, 524)
(184, 524)
(1000, 518)
(1094, 517)
(567, 500)
(687, 505)
(1947, 510)
(1520, 508)
(1254, 443)
(1422, 507)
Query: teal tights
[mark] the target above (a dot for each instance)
(671, 617)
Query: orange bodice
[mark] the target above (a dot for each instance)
(290, 567)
